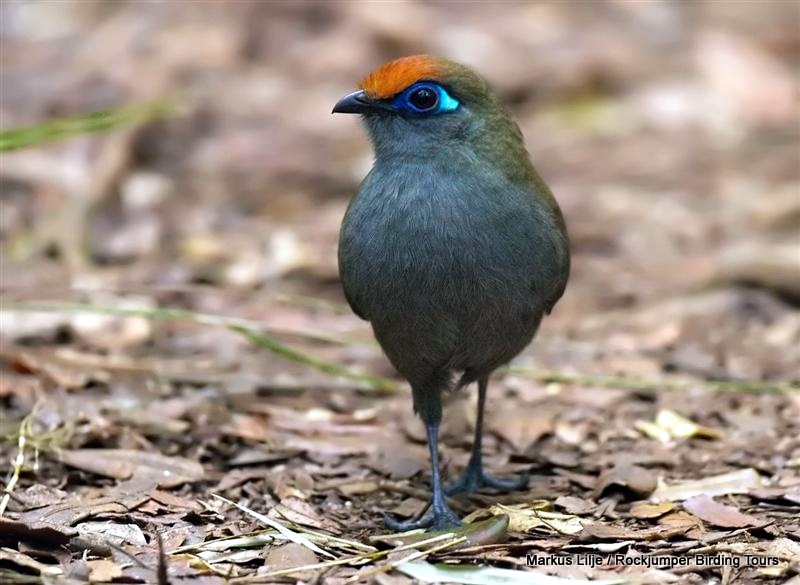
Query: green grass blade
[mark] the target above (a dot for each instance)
(61, 128)
(246, 329)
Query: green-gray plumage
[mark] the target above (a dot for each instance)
(453, 249)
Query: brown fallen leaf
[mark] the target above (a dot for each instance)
(537, 514)
(64, 515)
(103, 570)
(768, 265)
(46, 363)
(334, 446)
(38, 496)
(626, 478)
(485, 532)
(669, 425)
(126, 463)
(118, 534)
(261, 456)
(791, 494)
(304, 514)
(288, 556)
(238, 476)
(173, 501)
(399, 463)
(359, 488)
(522, 425)
(741, 481)
(224, 559)
(43, 534)
(409, 507)
(717, 514)
(598, 531)
(785, 548)
(680, 519)
(645, 510)
(28, 564)
(575, 505)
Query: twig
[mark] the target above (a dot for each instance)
(367, 556)
(412, 557)
(161, 573)
(291, 535)
(19, 461)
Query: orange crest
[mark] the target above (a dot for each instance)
(393, 77)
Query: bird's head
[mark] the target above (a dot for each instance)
(421, 106)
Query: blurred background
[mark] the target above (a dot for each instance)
(667, 130)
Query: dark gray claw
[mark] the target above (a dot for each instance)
(435, 517)
(474, 478)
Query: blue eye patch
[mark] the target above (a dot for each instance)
(425, 97)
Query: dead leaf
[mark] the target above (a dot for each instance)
(47, 363)
(343, 445)
(124, 464)
(735, 482)
(669, 425)
(768, 265)
(38, 496)
(680, 519)
(572, 433)
(785, 548)
(358, 488)
(103, 570)
(64, 515)
(400, 463)
(27, 531)
(600, 531)
(525, 517)
(26, 563)
(119, 534)
(717, 514)
(173, 501)
(300, 512)
(521, 426)
(606, 547)
(631, 478)
(791, 494)
(575, 505)
(288, 556)
(214, 557)
(408, 508)
(647, 510)
(484, 532)
(113, 332)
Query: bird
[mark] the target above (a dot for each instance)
(453, 248)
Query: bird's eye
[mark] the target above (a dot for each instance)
(424, 99)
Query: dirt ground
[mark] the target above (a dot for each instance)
(179, 365)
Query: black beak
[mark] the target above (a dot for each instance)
(355, 103)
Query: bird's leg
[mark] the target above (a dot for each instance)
(474, 477)
(438, 515)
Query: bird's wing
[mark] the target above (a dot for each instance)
(349, 280)
(352, 302)
(560, 286)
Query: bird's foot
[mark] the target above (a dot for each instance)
(435, 517)
(475, 478)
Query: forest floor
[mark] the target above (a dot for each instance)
(186, 397)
